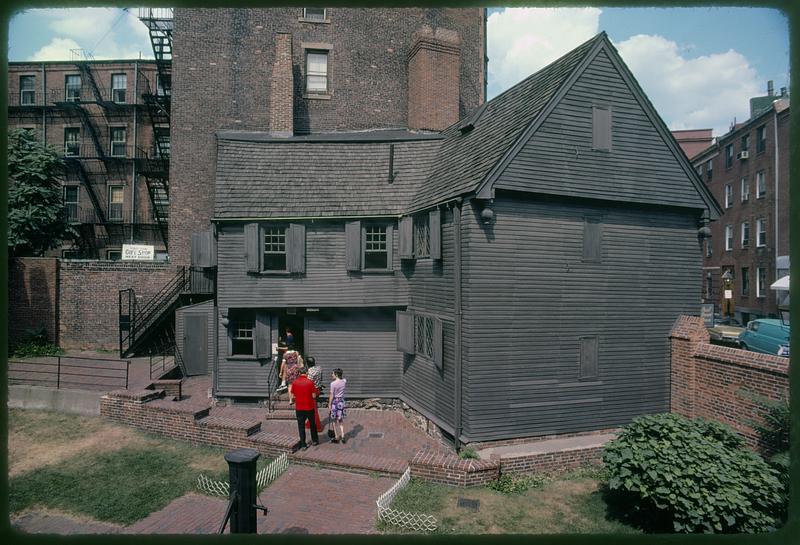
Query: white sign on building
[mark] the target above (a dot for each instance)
(137, 252)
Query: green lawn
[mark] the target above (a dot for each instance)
(89, 466)
(571, 503)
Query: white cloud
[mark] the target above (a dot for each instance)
(692, 92)
(523, 40)
(57, 50)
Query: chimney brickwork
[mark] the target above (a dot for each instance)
(281, 99)
(434, 64)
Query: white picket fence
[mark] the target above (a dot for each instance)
(418, 522)
(263, 478)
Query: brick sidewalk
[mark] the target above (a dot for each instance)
(303, 500)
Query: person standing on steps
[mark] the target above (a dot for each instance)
(336, 405)
(315, 376)
(305, 395)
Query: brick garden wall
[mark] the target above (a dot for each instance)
(708, 380)
(33, 296)
(89, 298)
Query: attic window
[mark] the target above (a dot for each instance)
(601, 127)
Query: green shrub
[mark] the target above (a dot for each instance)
(34, 343)
(774, 422)
(669, 473)
(508, 484)
(468, 454)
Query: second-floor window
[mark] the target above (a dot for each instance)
(728, 195)
(115, 201)
(71, 196)
(316, 71)
(728, 237)
(274, 249)
(761, 281)
(119, 137)
(376, 251)
(745, 281)
(72, 88)
(761, 184)
(761, 139)
(314, 14)
(761, 229)
(729, 156)
(709, 169)
(27, 90)
(745, 190)
(746, 142)
(72, 141)
(119, 86)
(745, 234)
(422, 236)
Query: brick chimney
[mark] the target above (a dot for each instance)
(281, 97)
(434, 65)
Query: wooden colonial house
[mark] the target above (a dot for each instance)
(516, 274)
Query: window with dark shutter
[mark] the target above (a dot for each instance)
(252, 247)
(376, 247)
(263, 336)
(435, 233)
(589, 349)
(241, 333)
(406, 238)
(296, 248)
(592, 234)
(274, 248)
(601, 127)
(405, 331)
(352, 235)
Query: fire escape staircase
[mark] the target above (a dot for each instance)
(141, 328)
(88, 237)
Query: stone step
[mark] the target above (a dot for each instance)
(280, 414)
(248, 426)
(338, 457)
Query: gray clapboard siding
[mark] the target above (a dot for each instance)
(325, 283)
(559, 158)
(207, 309)
(362, 343)
(430, 281)
(530, 296)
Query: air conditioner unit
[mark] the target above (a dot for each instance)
(743, 154)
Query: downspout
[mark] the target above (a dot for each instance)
(135, 118)
(457, 368)
(44, 105)
(777, 197)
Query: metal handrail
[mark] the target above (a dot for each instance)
(63, 371)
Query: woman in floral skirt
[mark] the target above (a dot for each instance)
(336, 405)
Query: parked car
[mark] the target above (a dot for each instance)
(725, 330)
(766, 335)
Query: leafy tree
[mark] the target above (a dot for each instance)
(36, 220)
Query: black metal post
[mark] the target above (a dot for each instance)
(127, 372)
(58, 374)
(242, 468)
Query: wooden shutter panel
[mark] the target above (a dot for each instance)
(296, 248)
(203, 249)
(389, 245)
(406, 238)
(589, 349)
(352, 235)
(252, 247)
(591, 239)
(438, 347)
(263, 336)
(435, 225)
(601, 127)
(405, 331)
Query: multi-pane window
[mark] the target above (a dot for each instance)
(746, 142)
(745, 234)
(729, 156)
(119, 86)
(72, 88)
(242, 336)
(375, 247)
(761, 228)
(709, 169)
(422, 236)
(115, 202)
(27, 90)
(728, 195)
(423, 336)
(729, 237)
(745, 190)
(314, 14)
(72, 141)
(761, 138)
(761, 281)
(274, 249)
(71, 196)
(761, 184)
(316, 71)
(745, 281)
(119, 137)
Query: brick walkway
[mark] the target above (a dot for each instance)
(303, 500)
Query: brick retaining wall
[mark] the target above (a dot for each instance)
(450, 469)
(708, 380)
(552, 462)
(33, 296)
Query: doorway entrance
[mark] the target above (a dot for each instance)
(295, 324)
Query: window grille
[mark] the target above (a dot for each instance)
(375, 247)
(72, 88)
(27, 90)
(317, 71)
(275, 249)
(423, 336)
(422, 237)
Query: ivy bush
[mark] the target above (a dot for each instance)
(669, 473)
(468, 453)
(34, 343)
(507, 484)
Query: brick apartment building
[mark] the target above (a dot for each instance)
(103, 117)
(747, 171)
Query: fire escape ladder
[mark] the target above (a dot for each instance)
(77, 165)
(97, 90)
(158, 189)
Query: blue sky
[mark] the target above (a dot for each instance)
(699, 66)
